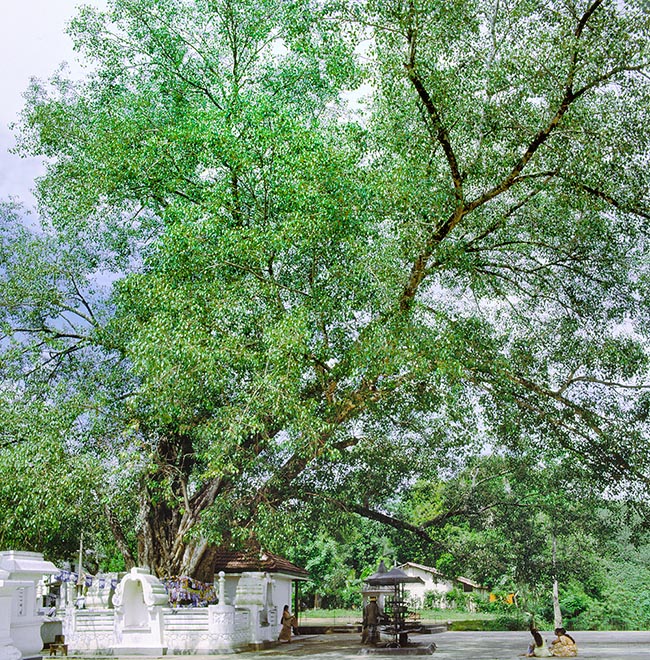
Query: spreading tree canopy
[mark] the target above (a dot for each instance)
(349, 244)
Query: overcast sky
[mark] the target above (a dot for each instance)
(32, 43)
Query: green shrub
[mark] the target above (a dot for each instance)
(457, 598)
(470, 625)
(433, 600)
(513, 620)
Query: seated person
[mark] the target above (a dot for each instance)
(563, 646)
(538, 648)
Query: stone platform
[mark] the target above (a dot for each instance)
(410, 649)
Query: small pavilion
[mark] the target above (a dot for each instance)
(286, 576)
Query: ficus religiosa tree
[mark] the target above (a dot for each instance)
(350, 244)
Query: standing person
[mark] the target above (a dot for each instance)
(564, 646)
(371, 615)
(287, 622)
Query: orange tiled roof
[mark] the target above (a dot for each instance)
(231, 561)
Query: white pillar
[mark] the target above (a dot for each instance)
(7, 588)
(25, 570)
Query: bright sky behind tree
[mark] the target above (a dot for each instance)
(33, 42)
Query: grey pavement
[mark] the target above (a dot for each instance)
(467, 645)
(449, 646)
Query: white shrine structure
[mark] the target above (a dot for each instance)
(21, 575)
(253, 589)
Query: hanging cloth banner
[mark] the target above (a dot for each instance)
(186, 592)
(63, 576)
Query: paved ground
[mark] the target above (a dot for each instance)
(466, 646)
(450, 646)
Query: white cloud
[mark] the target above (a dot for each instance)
(32, 43)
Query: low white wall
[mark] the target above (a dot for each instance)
(249, 619)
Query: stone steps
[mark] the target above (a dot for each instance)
(89, 621)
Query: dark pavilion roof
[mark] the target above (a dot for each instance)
(231, 561)
(394, 576)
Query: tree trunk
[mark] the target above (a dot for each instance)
(120, 537)
(164, 544)
(557, 613)
(168, 514)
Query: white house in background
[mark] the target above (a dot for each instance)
(435, 581)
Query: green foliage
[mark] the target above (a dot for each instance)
(432, 600)
(575, 601)
(457, 598)
(313, 309)
(515, 620)
(622, 603)
(338, 557)
(46, 498)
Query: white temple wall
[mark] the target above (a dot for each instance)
(88, 630)
(282, 594)
(138, 624)
(230, 589)
(143, 623)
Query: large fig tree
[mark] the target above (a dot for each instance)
(351, 243)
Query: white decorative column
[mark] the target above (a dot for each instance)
(222, 627)
(27, 569)
(7, 588)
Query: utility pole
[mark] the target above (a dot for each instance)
(80, 580)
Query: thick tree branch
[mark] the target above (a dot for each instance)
(385, 519)
(421, 530)
(598, 381)
(440, 131)
(420, 264)
(587, 416)
(595, 192)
